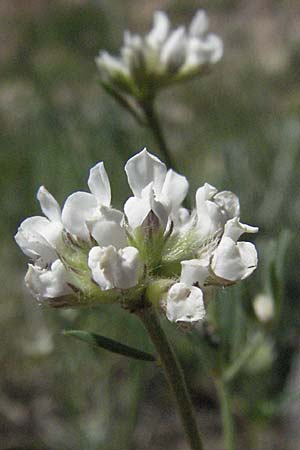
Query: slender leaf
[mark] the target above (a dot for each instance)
(110, 345)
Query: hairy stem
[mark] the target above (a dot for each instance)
(174, 375)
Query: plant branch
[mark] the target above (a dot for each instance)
(174, 375)
(226, 414)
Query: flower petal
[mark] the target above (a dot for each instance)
(199, 24)
(194, 271)
(78, 208)
(143, 169)
(48, 283)
(234, 261)
(210, 219)
(114, 269)
(161, 25)
(106, 229)
(174, 50)
(234, 229)
(229, 203)
(99, 185)
(49, 205)
(38, 238)
(185, 304)
(136, 210)
(174, 190)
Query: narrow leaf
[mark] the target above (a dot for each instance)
(110, 344)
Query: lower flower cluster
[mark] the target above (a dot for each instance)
(89, 252)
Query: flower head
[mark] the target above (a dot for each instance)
(155, 251)
(162, 57)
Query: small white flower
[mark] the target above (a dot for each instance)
(113, 67)
(161, 57)
(112, 268)
(38, 236)
(161, 26)
(185, 303)
(86, 214)
(195, 271)
(202, 49)
(214, 209)
(263, 305)
(234, 260)
(173, 53)
(154, 189)
(48, 283)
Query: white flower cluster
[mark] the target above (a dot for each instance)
(161, 57)
(90, 251)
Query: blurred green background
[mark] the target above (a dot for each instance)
(238, 128)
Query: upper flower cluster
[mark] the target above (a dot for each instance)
(161, 57)
(156, 250)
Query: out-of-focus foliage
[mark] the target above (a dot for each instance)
(239, 129)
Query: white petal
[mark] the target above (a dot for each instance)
(44, 283)
(99, 185)
(185, 304)
(205, 192)
(110, 65)
(199, 24)
(94, 263)
(143, 169)
(49, 205)
(78, 208)
(160, 210)
(229, 203)
(234, 229)
(114, 269)
(209, 217)
(136, 210)
(160, 30)
(212, 47)
(173, 51)
(194, 271)
(233, 261)
(174, 190)
(107, 229)
(38, 238)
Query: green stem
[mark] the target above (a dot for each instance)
(154, 125)
(174, 375)
(226, 414)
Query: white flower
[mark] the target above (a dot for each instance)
(38, 236)
(195, 271)
(214, 209)
(112, 268)
(185, 303)
(48, 283)
(154, 188)
(113, 67)
(86, 214)
(234, 260)
(202, 48)
(85, 248)
(264, 309)
(161, 57)
(161, 26)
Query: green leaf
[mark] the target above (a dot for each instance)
(110, 344)
(277, 269)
